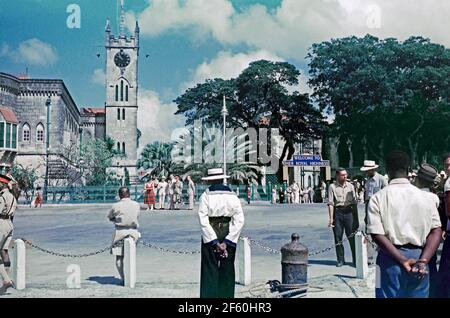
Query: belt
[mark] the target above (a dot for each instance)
(343, 208)
(5, 217)
(220, 219)
(409, 246)
(120, 227)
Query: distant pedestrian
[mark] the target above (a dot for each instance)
(191, 192)
(162, 185)
(343, 214)
(37, 202)
(374, 183)
(149, 194)
(249, 194)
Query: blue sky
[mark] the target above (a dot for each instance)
(191, 40)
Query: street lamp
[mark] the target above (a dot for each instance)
(224, 114)
(48, 103)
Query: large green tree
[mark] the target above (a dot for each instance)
(385, 94)
(257, 98)
(97, 156)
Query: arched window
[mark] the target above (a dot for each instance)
(118, 113)
(118, 147)
(123, 114)
(121, 91)
(126, 93)
(117, 93)
(40, 133)
(26, 133)
(123, 147)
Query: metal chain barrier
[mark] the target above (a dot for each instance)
(314, 253)
(53, 253)
(185, 252)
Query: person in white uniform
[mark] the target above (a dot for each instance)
(221, 220)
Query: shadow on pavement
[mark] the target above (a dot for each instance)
(106, 280)
(322, 262)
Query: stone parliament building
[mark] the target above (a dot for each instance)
(32, 110)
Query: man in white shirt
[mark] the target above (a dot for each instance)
(162, 192)
(124, 214)
(221, 221)
(405, 224)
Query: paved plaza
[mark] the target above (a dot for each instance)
(84, 229)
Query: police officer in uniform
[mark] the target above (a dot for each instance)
(221, 220)
(124, 214)
(8, 205)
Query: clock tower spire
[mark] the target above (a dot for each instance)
(122, 54)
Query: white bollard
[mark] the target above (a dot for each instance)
(362, 267)
(19, 264)
(245, 261)
(129, 266)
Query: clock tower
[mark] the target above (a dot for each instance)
(122, 54)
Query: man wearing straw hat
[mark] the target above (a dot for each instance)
(8, 205)
(375, 182)
(221, 220)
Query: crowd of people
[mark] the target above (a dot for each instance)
(406, 216)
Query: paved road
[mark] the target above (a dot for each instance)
(81, 229)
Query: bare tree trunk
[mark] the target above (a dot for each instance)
(349, 147)
(413, 151)
(364, 143)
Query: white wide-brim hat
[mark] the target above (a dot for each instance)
(369, 165)
(215, 174)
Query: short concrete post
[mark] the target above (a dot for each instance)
(129, 266)
(245, 261)
(362, 267)
(19, 264)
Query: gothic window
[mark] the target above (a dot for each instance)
(14, 136)
(123, 147)
(118, 147)
(40, 133)
(2, 134)
(121, 91)
(123, 114)
(126, 93)
(118, 113)
(26, 133)
(117, 93)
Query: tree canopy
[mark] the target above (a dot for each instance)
(257, 98)
(385, 94)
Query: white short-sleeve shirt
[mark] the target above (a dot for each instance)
(403, 213)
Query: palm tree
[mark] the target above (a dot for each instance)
(157, 156)
(240, 172)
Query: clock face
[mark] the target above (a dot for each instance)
(122, 59)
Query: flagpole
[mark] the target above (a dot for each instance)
(224, 114)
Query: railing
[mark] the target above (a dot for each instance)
(108, 194)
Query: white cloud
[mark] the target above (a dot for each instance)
(291, 28)
(156, 120)
(32, 52)
(226, 66)
(211, 16)
(99, 77)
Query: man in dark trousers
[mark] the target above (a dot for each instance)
(221, 220)
(404, 223)
(343, 213)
